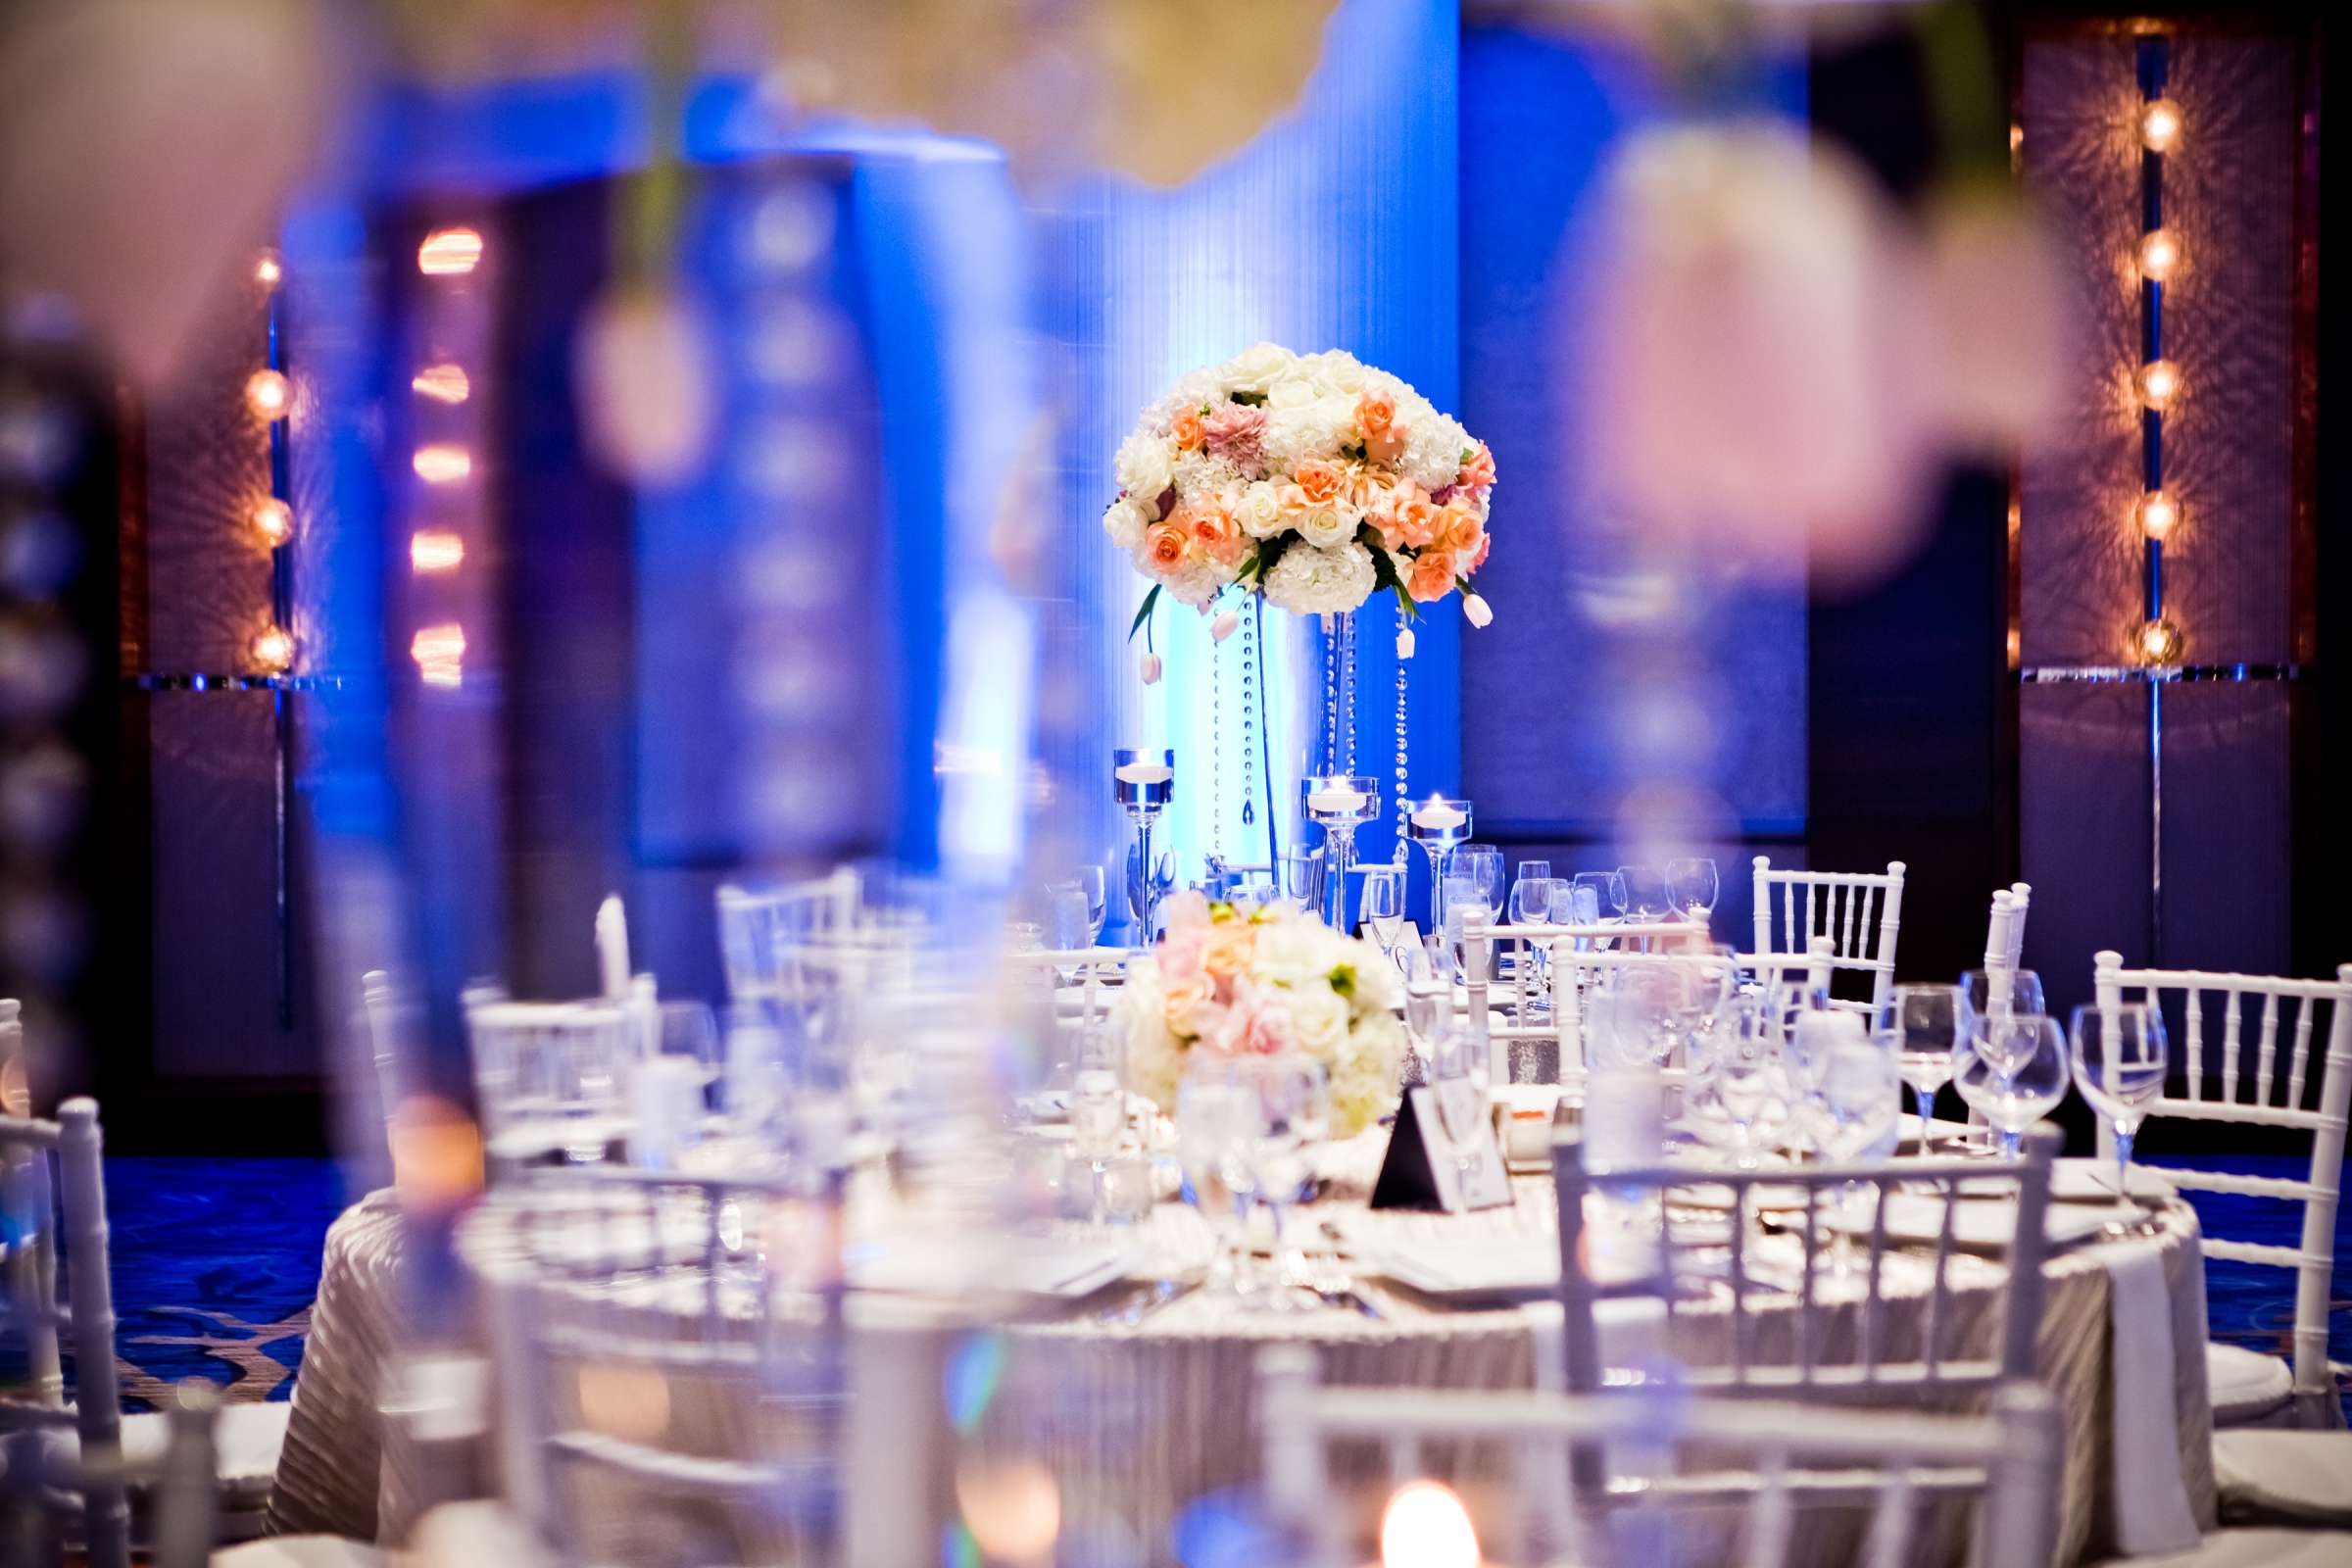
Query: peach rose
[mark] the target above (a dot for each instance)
(1375, 412)
(1432, 576)
(1417, 522)
(1293, 501)
(1368, 488)
(1459, 530)
(1486, 542)
(1179, 1005)
(1164, 545)
(1227, 952)
(1319, 482)
(1213, 532)
(1187, 431)
(1479, 470)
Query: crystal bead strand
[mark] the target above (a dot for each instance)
(1348, 693)
(1249, 724)
(1331, 695)
(1217, 755)
(1403, 843)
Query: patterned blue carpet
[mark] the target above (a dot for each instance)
(216, 1263)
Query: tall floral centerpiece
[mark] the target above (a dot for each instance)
(1260, 982)
(1311, 482)
(1311, 478)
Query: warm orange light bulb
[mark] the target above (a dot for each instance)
(449, 253)
(273, 650)
(442, 463)
(269, 272)
(440, 655)
(2159, 254)
(2159, 643)
(434, 550)
(2157, 514)
(274, 521)
(269, 394)
(443, 383)
(2160, 125)
(2158, 383)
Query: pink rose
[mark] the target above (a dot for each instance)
(1255, 1023)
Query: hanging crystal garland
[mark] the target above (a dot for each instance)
(1250, 728)
(1216, 757)
(1330, 750)
(1346, 757)
(1405, 655)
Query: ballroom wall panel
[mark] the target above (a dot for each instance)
(2229, 448)
(1337, 227)
(1543, 726)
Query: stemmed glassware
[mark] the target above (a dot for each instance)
(1607, 889)
(1481, 866)
(1925, 1025)
(2020, 991)
(1303, 877)
(1644, 893)
(1743, 1086)
(1530, 904)
(1693, 886)
(1383, 906)
(2119, 1058)
(1219, 1119)
(2013, 1069)
(1144, 782)
(1857, 1101)
(1099, 1106)
(1437, 824)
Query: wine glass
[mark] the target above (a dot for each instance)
(1644, 893)
(1530, 904)
(1856, 1105)
(1383, 906)
(1693, 886)
(1437, 824)
(2021, 993)
(2119, 1060)
(1303, 877)
(1070, 922)
(1090, 882)
(1927, 1024)
(1482, 863)
(1293, 1100)
(2015, 1073)
(1218, 1122)
(1743, 1088)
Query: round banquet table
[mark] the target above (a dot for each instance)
(1141, 1408)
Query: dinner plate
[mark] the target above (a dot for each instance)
(1023, 1266)
(1487, 1272)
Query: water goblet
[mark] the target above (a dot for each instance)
(1927, 1023)
(2020, 991)
(2015, 1073)
(2118, 1063)
(1645, 895)
(1693, 887)
(1303, 873)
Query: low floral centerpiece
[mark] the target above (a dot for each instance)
(1311, 478)
(1266, 980)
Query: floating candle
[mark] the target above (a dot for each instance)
(1143, 773)
(1337, 800)
(1436, 815)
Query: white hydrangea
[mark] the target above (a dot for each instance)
(1433, 448)
(1307, 581)
(1154, 1055)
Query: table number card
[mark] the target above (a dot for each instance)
(1429, 1166)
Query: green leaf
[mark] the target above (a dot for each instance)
(1405, 606)
(1383, 566)
(1270, 551)
(1145, 613)
(1250, 399)
(1342, 980)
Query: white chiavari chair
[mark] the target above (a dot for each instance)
(762, 929)
(1852, 1348)
(2020, 898)
(55, 1173)
(2283, 1061)
(668, 1400)
(1712, 1480)
(1859, 911)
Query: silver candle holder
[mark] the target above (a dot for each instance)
(1338, 803)
(1144, 782)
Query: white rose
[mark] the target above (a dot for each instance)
(1343, 371)
(1324, 528)
(1257, 368)
(1285, 950)
(1293, 392)
(1124, 522)
(1260, 511)
(1144, 467)
(1319, 1022)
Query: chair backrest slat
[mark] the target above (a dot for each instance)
(1859, 912)
(2298, 1052)
(2270, 1043)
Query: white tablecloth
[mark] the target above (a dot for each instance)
(1136, 1422)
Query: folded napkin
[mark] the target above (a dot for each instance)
(2152, 1514)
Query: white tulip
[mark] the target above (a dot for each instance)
(1151, 666)
(1222, 627)
(1404, 641)
(1479, 612)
